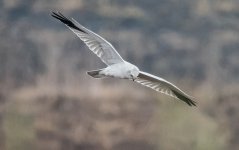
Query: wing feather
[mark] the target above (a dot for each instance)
(160, 85)
(98, 45)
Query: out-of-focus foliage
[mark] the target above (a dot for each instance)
(47, 101)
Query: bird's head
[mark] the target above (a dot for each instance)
(134, 72)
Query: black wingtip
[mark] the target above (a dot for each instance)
(192, 103)
(65, 20)
(187, 100)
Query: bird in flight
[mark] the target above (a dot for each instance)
(117, 67)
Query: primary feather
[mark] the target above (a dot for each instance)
(95, 43)
(160, 85)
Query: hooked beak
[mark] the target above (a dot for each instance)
(132, 77)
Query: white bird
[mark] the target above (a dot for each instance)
(117, 67)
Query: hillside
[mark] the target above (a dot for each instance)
(47, 101)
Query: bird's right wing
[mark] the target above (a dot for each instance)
(160, 85)
(95, 43)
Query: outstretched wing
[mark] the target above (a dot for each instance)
(96, 44)
(163, 86)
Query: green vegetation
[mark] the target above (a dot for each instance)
(180, 128)
(19, 129)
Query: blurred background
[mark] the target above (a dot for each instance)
(48, 102)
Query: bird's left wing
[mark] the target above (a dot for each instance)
(160, 85)
(95, 43)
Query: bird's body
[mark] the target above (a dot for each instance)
(117, 67)
(121, 70)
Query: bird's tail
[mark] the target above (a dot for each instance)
(95, 73)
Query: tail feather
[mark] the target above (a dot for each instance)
(95, 73)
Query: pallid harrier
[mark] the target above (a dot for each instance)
(117, 67)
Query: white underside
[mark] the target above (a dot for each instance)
(120, 70)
